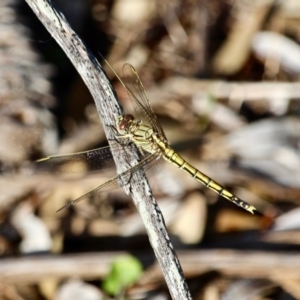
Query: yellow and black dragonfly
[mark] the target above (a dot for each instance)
(147, 135)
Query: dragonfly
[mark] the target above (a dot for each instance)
(147, 135)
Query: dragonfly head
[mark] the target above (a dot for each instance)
(124, 123)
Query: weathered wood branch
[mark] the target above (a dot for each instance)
(109, 109)
(250, 264)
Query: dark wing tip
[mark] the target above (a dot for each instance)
(67, 205)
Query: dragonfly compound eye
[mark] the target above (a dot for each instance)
(128, 118)
(124, 122)
(122, 125)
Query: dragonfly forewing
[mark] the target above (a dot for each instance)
(139, 99)
(81, 162)
(95, 160)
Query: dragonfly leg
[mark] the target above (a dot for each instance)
(113, 129)
(141, 151)
(125, 136)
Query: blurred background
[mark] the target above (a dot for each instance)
(223, 78)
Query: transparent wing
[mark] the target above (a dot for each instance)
(137, 94)
(149, 164)
(95, 160)
(81, 162)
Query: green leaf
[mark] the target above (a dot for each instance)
(124, 271)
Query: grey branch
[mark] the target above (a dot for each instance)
(109, 109)
(253, 264)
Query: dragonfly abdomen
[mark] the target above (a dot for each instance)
(171, 156)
